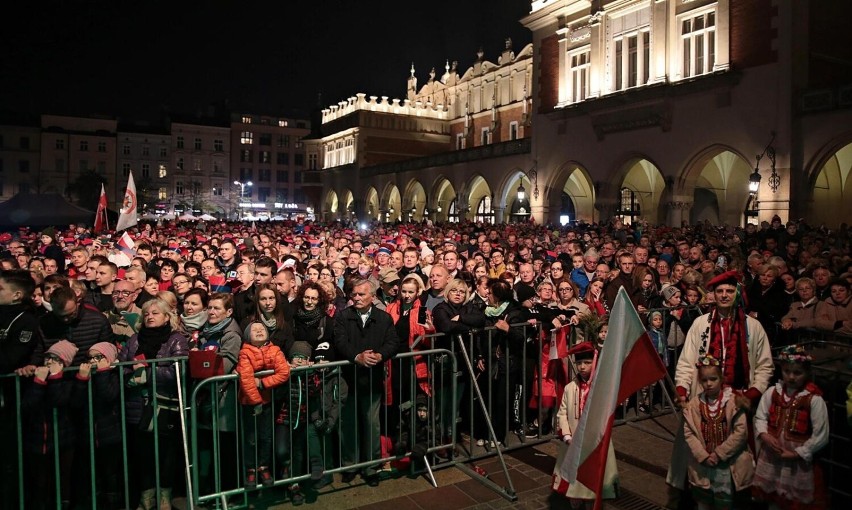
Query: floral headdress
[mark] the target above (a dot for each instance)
(795, 354)
(708, 361)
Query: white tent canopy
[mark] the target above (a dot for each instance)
(188, 217)
(207, 217)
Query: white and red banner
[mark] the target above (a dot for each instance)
(101, 222)
(627, 362)
(127, 218)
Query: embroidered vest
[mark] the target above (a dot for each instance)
(792, 417)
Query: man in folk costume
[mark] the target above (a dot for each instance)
(568, 418)
(741, 345)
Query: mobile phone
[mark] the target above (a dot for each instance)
(421, 315)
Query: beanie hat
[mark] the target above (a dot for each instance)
(323, 352)
(49, 231)
(426, 251)
(421, 401)
(247, 331)
(669, 291)
(64, 350)
(300, 348)
(524, 292)
(107, 349)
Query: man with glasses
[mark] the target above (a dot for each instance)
(124, 317)
(497, 263)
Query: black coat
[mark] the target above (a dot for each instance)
(89, 328)
(105, 406)
(470, 317)
(21, 337)
(352, 337)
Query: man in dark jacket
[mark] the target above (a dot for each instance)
(72, 321)
(626, 264)
(366, 336)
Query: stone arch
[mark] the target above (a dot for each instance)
(414, 201)
(391, 203)
(442, 195)
(330, 205)
(714, 186)
(571, 180)
(646, 184)
(372, 203)
(346, 205)
(830, 188)
(476, 190)
(513, 209)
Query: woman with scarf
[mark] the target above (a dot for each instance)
(595, 297)
(506, 345)
(311, 321)
(158, 338)
(458, 315)
(269, 310)
(646, 290)
(194, 315)
(218, 404)
(412, 323)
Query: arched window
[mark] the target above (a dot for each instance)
(453, 213)
(484, 211)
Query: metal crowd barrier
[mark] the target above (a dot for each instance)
(482, 397)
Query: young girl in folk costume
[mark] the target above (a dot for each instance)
(568, 417)
(716, 432)
(791, 425)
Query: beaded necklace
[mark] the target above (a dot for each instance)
(714, 426)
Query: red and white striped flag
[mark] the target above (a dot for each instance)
(101, 222)
(628, 362)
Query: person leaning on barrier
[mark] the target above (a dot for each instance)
(365, 336)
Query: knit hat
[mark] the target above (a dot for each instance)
(247, 331)
(49, 231)
(653, 314)
(425, 250)
(669, 291)
(421, 401)
(323, 352)
(64, 350)
(524, 292)
(107, 349)
(300, 349)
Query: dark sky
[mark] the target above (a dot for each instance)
(130, 58)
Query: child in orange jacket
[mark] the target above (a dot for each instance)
(258, 354)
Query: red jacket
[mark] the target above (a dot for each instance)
(415, 330)
(255, 359)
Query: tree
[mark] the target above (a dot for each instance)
(146, 193)
(87, 189)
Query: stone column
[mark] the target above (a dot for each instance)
(499, 213)
(678, 211)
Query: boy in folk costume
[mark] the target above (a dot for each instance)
(568, 417)
(791, 425)
(716, 432)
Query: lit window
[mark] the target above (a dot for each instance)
(630, 50)
(484, 212)
(580, 62)
(246, 138)
(246, 119)
(513, 130)
(698, 44)
(282, 123)
(163, 172)
(196, 165)
(162, 194)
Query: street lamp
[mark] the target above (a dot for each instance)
(774, 178)
(754, 182)
(532, 175)
(242, 186)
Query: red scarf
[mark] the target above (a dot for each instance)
(735, 365)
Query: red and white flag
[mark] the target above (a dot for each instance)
(101, 222)
(628, 362)
(127, 218)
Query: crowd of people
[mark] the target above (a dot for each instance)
(279, 296)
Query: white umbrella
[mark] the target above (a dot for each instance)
(187, 217)
(207, 217)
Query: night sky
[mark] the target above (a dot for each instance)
(132, 59)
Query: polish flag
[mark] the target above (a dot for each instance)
(627, 363)
(101, 223)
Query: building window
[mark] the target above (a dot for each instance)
(580, 62)
(197, 144)
(196, 165)
(265, 157)
(246, 119)
(262, 194)
(24, 166)
(460, 141)
(513, 130)
(282, 158)
(180, 164)
(25, 142)
(219, 145)
(84, 146)
(628, 206)
(281, 195)
(217, 166)
(698, 43)
(284, 141)
(101, 146)
(162, 171)
(179, 143)
(246, 174)
(146, 151)
(246, 138)
(245, 156)
(146, 170)
(179, 188)
(281, 176)
(162, 193)
(265, 139)
(299, 160)
(217, 190)
(164, 152)
(484, 212)
(630, 50)
(283, 122)
(125, 169)
(312, 159)
(125, 150)
(264, 174)
(485, 136)
(60, 143)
